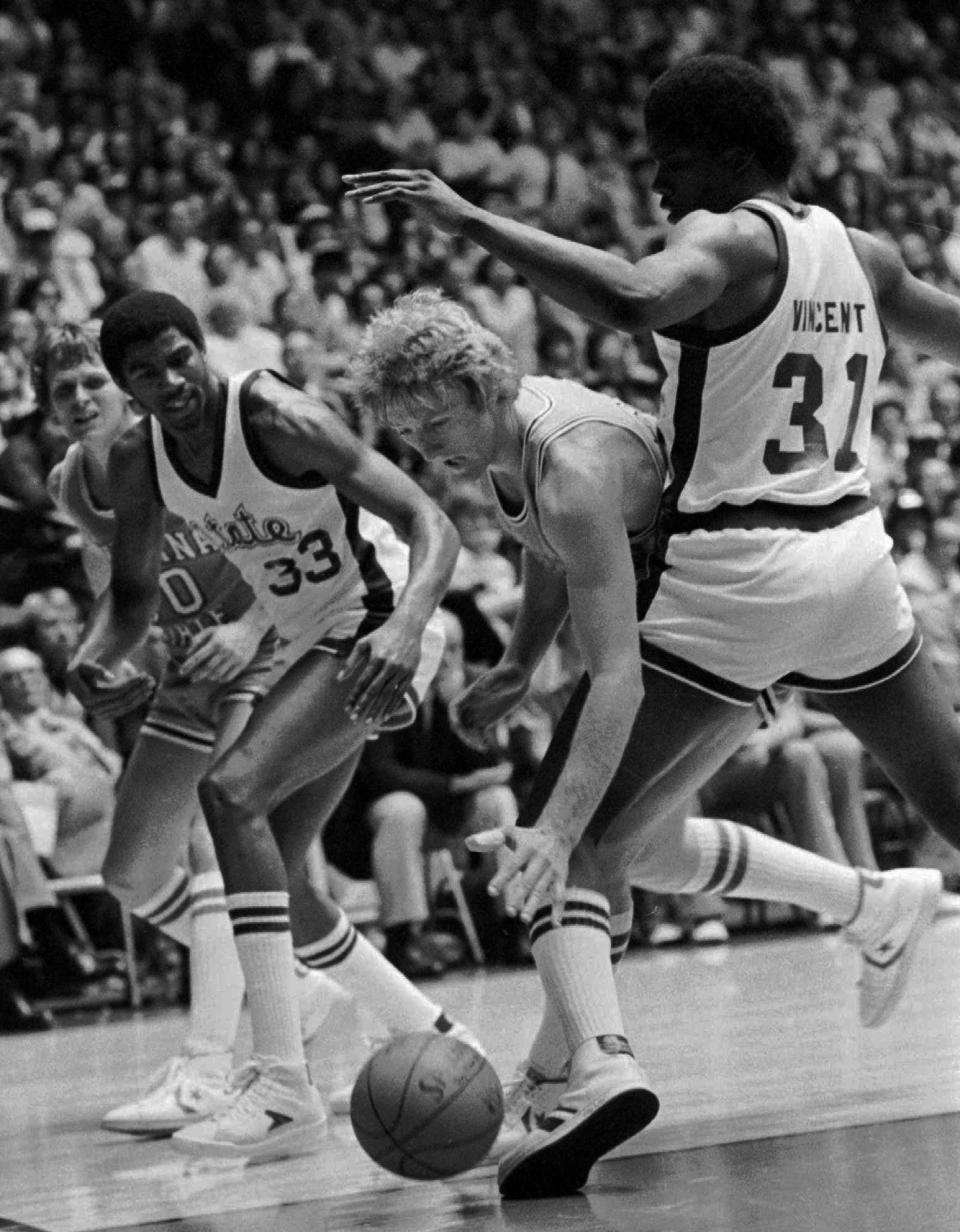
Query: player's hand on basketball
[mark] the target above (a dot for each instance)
(533, 863)
(381, 667)
(107, 695)
(221, 652)
(478, 712)
(422, 190)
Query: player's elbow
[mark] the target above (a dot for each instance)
(134, 600)
(629, 309)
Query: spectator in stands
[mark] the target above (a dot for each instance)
(423, 786)
(507, 308)
(52, 748)
(482, 570)
(930, 574)
(51, 627)
(23, 886)
(234, 342)
(172, 259)
(260, 275)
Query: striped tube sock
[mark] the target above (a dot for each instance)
(169, 908)
(621, 926)
(574, 964)
(216, 979)
(549, 1054)
(359, 967)
(261, 927)
(742, 863)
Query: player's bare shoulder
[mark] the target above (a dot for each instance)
(600, 464)
(742, 238)
(294, 429)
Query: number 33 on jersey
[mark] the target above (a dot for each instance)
(778, 407)
(316, 561)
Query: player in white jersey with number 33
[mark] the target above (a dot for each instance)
(349, 559)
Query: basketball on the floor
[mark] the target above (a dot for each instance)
(426, 1106)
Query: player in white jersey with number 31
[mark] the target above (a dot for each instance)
(349, 559)
(772, 563)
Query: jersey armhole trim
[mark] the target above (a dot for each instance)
(704, 339)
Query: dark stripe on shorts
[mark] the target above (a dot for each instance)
(662, 660)
(863, 680)
(199, 741)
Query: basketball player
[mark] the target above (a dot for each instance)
(273, 479)
(576, 478)
(220, 647)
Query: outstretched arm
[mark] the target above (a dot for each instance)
(705, 253)
(123, 614)
(915, 311)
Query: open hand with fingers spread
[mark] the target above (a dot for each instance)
(381, 667)
(533, 864)
(421, 190)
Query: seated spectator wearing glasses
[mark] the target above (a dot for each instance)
(44, 746)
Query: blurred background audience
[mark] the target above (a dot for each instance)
(199, 148)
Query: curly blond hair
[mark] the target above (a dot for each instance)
(425, 341)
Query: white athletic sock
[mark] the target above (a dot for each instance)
(349, 958)
(549, 1052)
(261, 926)
(742, 863)
(169, 908)
(574, 964)
(216, 978)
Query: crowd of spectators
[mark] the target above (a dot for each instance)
(197, 146)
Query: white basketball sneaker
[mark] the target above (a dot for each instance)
(339, 1100)
(608, 1101)
(184, 1090)
(896, 909)
(527, 1098)
(274, 1113)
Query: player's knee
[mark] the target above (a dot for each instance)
(400, 809)
(494, 806)
(131, 883)
(224, 799)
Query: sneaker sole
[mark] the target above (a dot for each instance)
(557, 1163)
(284, 1144)
(139, 1130)
(925, 917)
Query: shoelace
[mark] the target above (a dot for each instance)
(239, 1085)
(518, 1095)
(170, 1073)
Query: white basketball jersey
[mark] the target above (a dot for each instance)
(316, 561)
(547, 409)
(779, 406)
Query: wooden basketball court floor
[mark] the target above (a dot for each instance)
(779, 1113)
